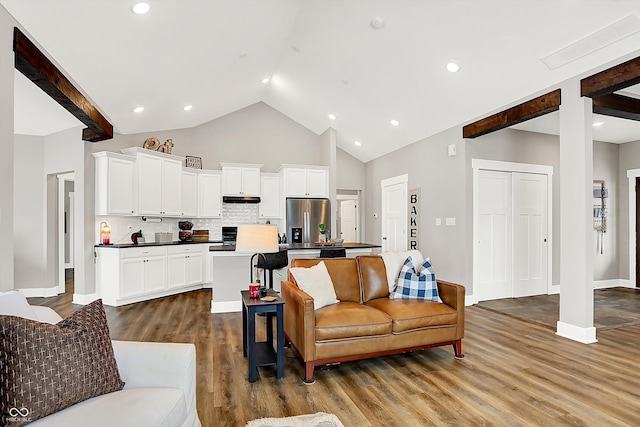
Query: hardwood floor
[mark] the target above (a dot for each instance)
(613, 308)
(515, 373)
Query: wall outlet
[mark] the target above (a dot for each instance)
(438, 222)
(451, 150)
(451, 221)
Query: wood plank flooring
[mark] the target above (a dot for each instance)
(515, 373)
(613, 308)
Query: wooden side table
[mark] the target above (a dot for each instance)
(263, 353)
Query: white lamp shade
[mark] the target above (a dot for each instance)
(256, 238)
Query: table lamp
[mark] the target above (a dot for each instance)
(258, 240)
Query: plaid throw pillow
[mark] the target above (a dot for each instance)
(45, 368)
(420, 284)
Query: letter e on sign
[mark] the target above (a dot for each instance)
(414, 219)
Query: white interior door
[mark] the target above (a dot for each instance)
(529, 234)
(394, 214)
(348, 217)
(494, 236)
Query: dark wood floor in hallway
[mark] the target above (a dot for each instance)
(515, 373)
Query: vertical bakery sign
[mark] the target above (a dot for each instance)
(414, 219)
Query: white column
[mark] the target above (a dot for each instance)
(576, 224)
(329, 146)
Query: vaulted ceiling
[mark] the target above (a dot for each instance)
(322, 57)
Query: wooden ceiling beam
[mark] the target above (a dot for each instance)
(620, 106)
(612, 79)
(31, 62)
(539, 106)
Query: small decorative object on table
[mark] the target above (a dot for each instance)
(324, 234)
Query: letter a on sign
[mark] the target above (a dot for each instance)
(414, 219)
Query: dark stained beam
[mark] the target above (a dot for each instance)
(31, 62)
(539, 106)
(611, 80)
(620, 106)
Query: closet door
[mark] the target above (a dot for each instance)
(529, 234)
(494, 245)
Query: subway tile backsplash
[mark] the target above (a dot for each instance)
(232, 214)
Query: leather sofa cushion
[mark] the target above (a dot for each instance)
(343, 272)
(350, 320)
(408, 315)
(374, 277)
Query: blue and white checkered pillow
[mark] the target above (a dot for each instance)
(420, 284)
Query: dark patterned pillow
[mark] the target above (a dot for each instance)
(45, 368)
(416, 283)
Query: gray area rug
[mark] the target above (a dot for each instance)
(319, 419)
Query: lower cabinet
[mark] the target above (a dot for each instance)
(133, 274)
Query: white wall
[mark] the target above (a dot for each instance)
(6, 149)
(629, 158)
(606, 265)
(30, 262)
(350, 172)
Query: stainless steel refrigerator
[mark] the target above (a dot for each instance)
(303, 218)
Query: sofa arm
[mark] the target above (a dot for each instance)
(299, 319)
(453, 294)
(151, 364)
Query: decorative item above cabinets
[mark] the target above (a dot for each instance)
(240, 179)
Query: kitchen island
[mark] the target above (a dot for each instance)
(231, 270)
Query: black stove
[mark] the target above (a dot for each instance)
(229, 235)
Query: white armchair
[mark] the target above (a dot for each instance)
(159, 380)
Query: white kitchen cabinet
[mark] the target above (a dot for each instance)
(142, 271)
(184, 266)
(270, 196)
(114, 178)
(240, 179)
(306, 182)
(189, 194)
(133, 274)
(209, 194)
(159, 182)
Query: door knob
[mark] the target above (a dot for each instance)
(384, 238)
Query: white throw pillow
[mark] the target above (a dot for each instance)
(316, 282)
(393, 262)
(13, 303)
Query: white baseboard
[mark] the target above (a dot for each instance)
(469, 300)
(605, 284)
(85, 299)
(39, 292)
(577, 333)
(554, 289)
(226, 306)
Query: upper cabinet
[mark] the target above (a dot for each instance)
(209, 197)
(240, 179)
(189, 193)
(310, 182)
(114, 193)
(159, 182)
(270, 198)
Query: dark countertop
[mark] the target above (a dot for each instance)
(302, 246)
(142, 245)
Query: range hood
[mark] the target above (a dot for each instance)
(240, 199)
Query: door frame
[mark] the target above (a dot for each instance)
(494, 165)
(341, 197)
(60, 288)
(400, 179)
(632, 174)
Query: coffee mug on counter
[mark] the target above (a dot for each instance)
(254, 290)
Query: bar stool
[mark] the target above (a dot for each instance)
(273, 261)
(333, 253)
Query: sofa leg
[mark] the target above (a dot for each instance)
(457, 349)
(308, 373)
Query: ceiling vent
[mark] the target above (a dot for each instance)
(605, 36)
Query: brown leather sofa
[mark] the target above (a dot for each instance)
(366, 323)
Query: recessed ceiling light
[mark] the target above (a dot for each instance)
(376, 23)
(266, 80)
(598, 124)
(395, 122)
(358, 143)
(332, 116)
(138, 109)
(141, 8)
(453, 67)
(187, 107)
